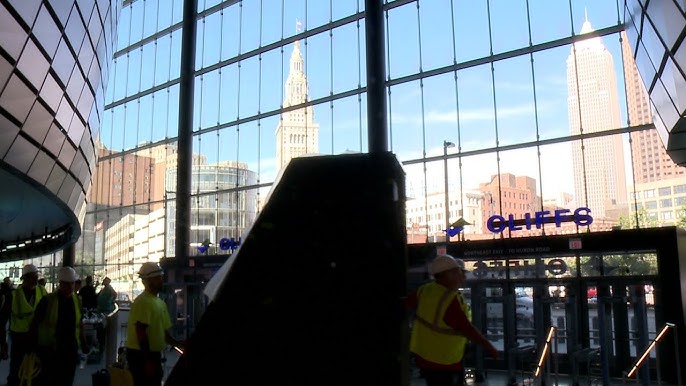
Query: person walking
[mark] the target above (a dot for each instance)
(105, 300)
(442, 327)
(106, 297)
(25, 298)
(149, 329)
(89, 298)
(57, 332)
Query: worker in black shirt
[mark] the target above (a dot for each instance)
(89, 297)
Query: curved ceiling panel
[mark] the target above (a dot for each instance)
(49, 53)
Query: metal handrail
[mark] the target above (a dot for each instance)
(642, 359)
(523, 352)
(543, 358)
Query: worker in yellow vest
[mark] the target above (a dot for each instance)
(149, 329)
(25, 298)
(442, 326)
(57, 332)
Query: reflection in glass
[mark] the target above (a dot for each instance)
(591, 265)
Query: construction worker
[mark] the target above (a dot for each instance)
(57, 332)
(25, 298)
(149, 329)
(441, 325)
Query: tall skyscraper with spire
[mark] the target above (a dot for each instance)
(593, 106)
(297, 132)
(650, 160)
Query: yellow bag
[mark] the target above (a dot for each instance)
(120, 376)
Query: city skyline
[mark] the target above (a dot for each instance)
(344, 115)
(242, 88)
(296, 87)
(492, 80)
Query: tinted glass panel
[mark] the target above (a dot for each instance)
(41, 168)
(38, 122)
(17, 98)
(46, 31)
(12, 36)
(21, 154)
(33, 65)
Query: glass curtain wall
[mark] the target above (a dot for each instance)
(496, 108)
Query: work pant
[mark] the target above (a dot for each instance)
(146, 368)
(57, 368)
(20, 346)
(4, 348)
(443, 378)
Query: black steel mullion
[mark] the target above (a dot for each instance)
(283, 42)
(236, 199)
(538, 132)
(142, 94)
(147, 40)
(185, 130)
(235, 59)
(171, 28)
(336, 24)
(495, 115)
(208, 193)
(331, 79)
(543, 142)
(578, 103)
(278, 111)
(377, 135)
(549, 141)
(507, 55)
(276, 45)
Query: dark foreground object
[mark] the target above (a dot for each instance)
(313, 295)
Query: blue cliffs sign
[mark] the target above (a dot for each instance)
(580, 216)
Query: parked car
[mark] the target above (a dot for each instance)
(592, 295)
(123, 301)
(525, 311)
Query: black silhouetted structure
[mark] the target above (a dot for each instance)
(314, 292)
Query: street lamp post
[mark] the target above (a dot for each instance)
(446, 146)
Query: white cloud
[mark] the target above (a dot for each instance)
(469, 115)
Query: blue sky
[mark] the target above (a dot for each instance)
(420, 117)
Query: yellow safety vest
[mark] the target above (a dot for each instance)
(467, 311)
(431, 338)
(22, 311)
(46, 328)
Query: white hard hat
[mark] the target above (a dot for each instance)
(67, 274)
(445, 262)
(150, 269)
(29, 268)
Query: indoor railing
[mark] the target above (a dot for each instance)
(642, 359)
(544, 356)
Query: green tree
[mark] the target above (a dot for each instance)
(644, 220)
(681, 219)
(629, 263)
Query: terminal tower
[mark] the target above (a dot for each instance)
(297, 133)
